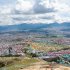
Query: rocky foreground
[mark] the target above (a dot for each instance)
(43, 66)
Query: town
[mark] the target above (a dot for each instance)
(23, 48)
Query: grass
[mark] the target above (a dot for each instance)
(16, 63)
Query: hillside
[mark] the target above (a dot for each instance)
(49, 29)
(21, 27)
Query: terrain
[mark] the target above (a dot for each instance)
(27, 46)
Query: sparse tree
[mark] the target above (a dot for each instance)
(10, 50)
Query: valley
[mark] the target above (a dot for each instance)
(46, 43)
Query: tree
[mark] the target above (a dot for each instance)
(10, 50)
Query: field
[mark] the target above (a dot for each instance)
(48, 47)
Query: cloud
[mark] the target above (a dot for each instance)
(40, 8)
(6, 9)
(24, 6)
(35, 11)
(6, 20)
(63, 11)
(32, 7)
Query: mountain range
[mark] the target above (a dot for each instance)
(51, 29)
(20, 27)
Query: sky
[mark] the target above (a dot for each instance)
(34, 11)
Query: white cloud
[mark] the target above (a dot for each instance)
(47, 3)
(5, 20)
(24, 6)
(63, 11)
(6, 9)
(29, 11)
(62, 6)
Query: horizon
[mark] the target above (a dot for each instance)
(37, 23)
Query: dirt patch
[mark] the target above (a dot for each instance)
(44, 66)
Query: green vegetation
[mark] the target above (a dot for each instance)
(64, 59)
(46, 47)
(16, 63)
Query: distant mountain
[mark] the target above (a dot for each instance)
(20, 27)
(36, 27)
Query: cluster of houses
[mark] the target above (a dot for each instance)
(15, 49)
(49, 56)
(64, 41)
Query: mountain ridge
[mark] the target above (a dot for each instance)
(24, 26)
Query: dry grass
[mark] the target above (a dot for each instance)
(15, 63)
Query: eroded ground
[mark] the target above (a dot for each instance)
(43, 66)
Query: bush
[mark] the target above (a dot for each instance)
(2, 64)
(33, 55)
